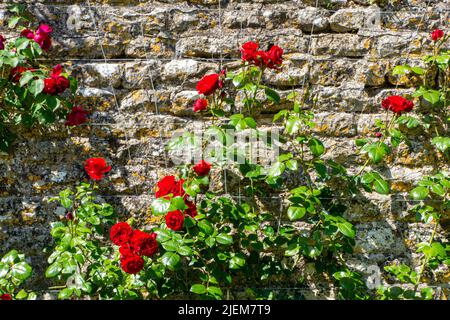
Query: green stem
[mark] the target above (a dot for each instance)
(422, 267)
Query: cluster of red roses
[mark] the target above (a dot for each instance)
(55, 83)
(41, 36)
(169, 187)
(272, 58)
(96, 167)
(207, 86)
(133, 245)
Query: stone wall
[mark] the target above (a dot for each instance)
(137, 64)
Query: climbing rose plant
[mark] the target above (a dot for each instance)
(32, 95)
(205, 241)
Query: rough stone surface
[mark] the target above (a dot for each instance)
(137, 63)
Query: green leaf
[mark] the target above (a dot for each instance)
(22, 294)
(73, 85)
(177, 203)
(225, 239)
(65, 293)
(184, 250)
(11, 257)
(205, 226)
(293, 125)
(163, 235)
(432, 96)
(296, 213)
(438, 189)
(316, 146)
(238, 80)
(272, 95)
(12, 22)
(36, 86)
(442, 143)
(361, 142)
(418, 70)
(251, 123)
(277, 169)
(170, 245)
(170, 260)
(419, 193)
(210, 241)
(380, 185)
(53, 270)
(368, 178)
(21, 271)
(292, 164)
(215, 291)
(198, 289)
(400, 70)
(347, 229)
(236, 262)
(25, 78)
(411, 122)
(376, 151)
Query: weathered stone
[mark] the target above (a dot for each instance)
(313, 19)
(349, 20)
(341, 45)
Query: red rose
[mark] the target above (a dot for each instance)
(5, 296)
(192, 209)
(2, 42)
(62, 84)
(248, 51)
(16, 73)
(120, 233)
(271, 58)
(41, 36)
(169, 185)
(125, 251)
(274, 54)
(202, 168)
(143, 244)
(175, 220)
(50, 86)
(261, 58)
(96, 167)
(131, 264)
(200, 105)
(397, 104)
(76, 117)
(56, 83)
(27, 33)
(44, 29)
(437, 34)
(208, 84)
